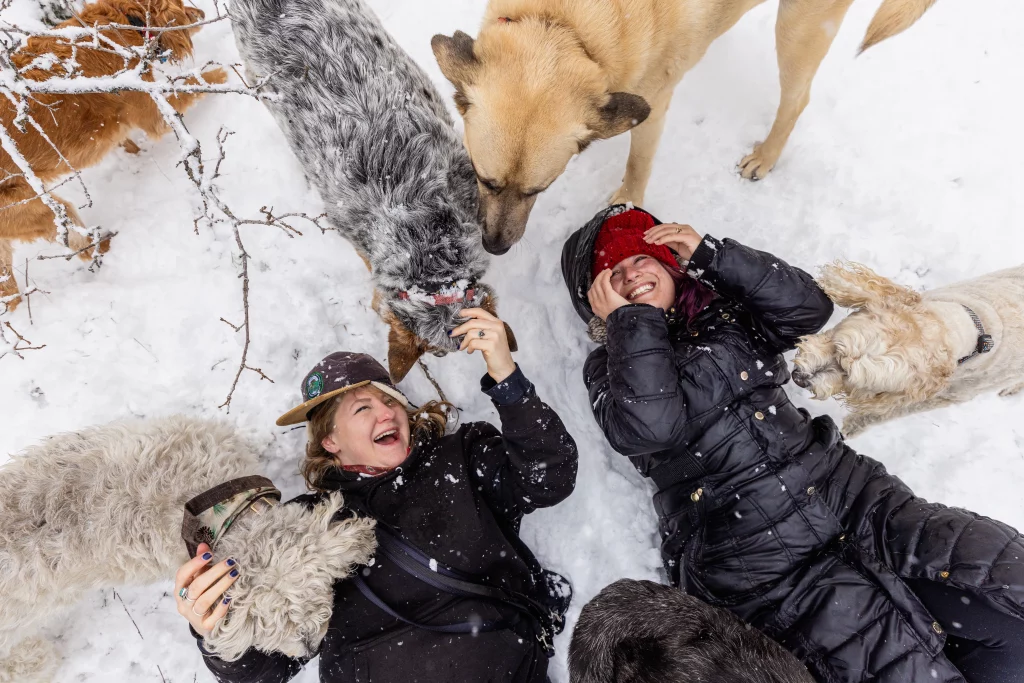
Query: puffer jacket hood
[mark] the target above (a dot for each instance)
(577, 258)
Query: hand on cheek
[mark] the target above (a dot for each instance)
(602, 295)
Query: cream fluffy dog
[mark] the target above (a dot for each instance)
(102, 508)
(902, 352)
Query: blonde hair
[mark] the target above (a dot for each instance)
(429, 421)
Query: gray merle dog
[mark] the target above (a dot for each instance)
(643, 632)
(374, 137)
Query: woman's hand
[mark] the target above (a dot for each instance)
(681, 239)
(603, 297)
(199, 590)
(486, 333)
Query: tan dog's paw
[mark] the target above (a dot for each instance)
(8, 288)
(129, 146)
(624, 196)
(758, 164)
(215, 76)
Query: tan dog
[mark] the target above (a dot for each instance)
(546, 77)
(902, 352)
(83, 127)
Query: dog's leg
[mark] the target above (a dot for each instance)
(643, 145)
(8, 283)
(803, 34)
(145, 116)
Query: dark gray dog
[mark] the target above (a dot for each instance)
(374, 137)
(643, 632)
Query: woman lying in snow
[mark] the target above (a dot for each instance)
(762, 509)
(455, 502)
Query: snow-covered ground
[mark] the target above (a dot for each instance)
(907, 159)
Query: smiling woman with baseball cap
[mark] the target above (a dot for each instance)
(453, 594)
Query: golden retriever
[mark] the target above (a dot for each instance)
(83, 127)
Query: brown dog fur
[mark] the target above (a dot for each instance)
(83, 127)
(546, 77)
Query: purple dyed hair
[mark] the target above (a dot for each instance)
(691, 296)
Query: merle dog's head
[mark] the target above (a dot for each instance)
(427, 266)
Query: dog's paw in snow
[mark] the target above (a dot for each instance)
(759, 163)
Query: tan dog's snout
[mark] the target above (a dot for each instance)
(504, 218)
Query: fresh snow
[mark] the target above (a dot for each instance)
(903, 161)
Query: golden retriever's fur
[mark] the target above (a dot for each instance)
(83, 127)
(546, 77)
(898, 352)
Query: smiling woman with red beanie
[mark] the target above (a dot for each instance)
(762, 509)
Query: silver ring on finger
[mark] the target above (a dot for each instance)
(197, 613)
(183, 594)
(481, 334)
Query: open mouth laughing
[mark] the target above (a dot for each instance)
(639, 291)
(386, 438)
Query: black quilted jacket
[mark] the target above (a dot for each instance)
(762, 509)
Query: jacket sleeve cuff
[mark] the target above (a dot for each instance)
(199, 641)
(510, 390)
(702, 258)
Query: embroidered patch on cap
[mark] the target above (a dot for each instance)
(314, 385)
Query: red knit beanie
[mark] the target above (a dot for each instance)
(622, 236)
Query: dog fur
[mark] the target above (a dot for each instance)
(102, 508)
(373, 135)
(83, 127)
(897, 352)
(644, 632)
(284, 597)
(546, 77)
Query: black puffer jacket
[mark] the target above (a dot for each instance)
(762, 509)
(447, 500)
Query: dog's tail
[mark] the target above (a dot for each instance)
(894, 16)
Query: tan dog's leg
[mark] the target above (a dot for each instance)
(28, 221)
(8, 283)
(803, 34)
(643, 145)
(146, 116)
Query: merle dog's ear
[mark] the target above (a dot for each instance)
(620, 113)
(455, 57)
(490, 305)
(404, 349)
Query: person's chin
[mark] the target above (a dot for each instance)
(392, 454)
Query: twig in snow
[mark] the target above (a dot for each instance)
(130, 617)
(423, 366)
(20, 344)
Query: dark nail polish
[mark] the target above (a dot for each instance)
(227, 600)
(234, 572)
(207, 557)
(231, 563)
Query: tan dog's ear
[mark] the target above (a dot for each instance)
(621, 112)
(852, 285)
(455, 57)
(490, 304)
(404, 349)
(194, 14)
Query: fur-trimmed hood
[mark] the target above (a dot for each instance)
(577, 259)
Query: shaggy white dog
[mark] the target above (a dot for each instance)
(103, 507)
(903, 352)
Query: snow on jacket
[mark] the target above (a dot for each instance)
(445, 500)
(762, 509)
